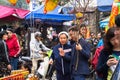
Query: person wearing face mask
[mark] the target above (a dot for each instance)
(62, 57)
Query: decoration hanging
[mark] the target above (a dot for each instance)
(28, 1)
(50, 5)
(115, 11)
(13, 2)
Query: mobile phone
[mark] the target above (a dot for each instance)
(111, 56)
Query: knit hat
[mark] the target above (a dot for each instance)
(63, 32)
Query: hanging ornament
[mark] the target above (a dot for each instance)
(50, 5)
(116, 0)
(28, 1)
(115, 11)
(13, 2)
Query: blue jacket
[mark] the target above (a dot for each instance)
(66, 59)
(84, 55)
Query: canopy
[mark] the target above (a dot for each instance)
(104, 5)
(6, 11)
(104, 22)
(101, 5)
(53, 15)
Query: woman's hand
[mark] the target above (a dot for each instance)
(9, 67)
(62, 53)
(112, 61)
(51, 61)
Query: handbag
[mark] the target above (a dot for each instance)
(42, 70)
(51, 69)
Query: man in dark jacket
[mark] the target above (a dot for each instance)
(80, 56)
(4, 60)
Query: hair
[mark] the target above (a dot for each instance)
(2, 33)
(107, 44)
(26, 66)
(10, 29)
(75, 28)
(82, 25)
(38, 34)
(117, 20)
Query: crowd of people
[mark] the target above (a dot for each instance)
(72, 56)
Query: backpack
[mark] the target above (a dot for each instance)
(95, 57)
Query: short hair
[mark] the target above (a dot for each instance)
(117, 20)
(2, 33)
(82, 25)
(10, 29)
(38, 34)
(75, 28)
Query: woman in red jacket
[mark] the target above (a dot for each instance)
(13, 48)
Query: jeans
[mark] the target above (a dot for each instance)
(78, 77)
(60, 76)
(14, 63)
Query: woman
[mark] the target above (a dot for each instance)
(5, 66)
(62, 56)
(13, 48)
(109, 56)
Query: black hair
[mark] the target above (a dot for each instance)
(26, 66)
(9, 29)
(117, 20)
(109, 35)
(82, 25)
(2, 33)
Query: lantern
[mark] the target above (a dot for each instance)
(50, 5)
(13, 2)
(28, 1)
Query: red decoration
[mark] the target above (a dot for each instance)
(28, 1)
(45, 11)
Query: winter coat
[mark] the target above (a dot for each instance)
(84, 55)
(13, 46)
(4, 52)
(66, 59)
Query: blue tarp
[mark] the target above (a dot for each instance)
(104, 23)
(104, 5)
(53, 15)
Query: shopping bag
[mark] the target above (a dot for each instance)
(51, 69)
(42, 70)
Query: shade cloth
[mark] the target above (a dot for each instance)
(6, 11)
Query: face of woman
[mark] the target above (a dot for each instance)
(5, 37)
(9, 34)
(115, 42)
(83, 30)
(63, 39)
